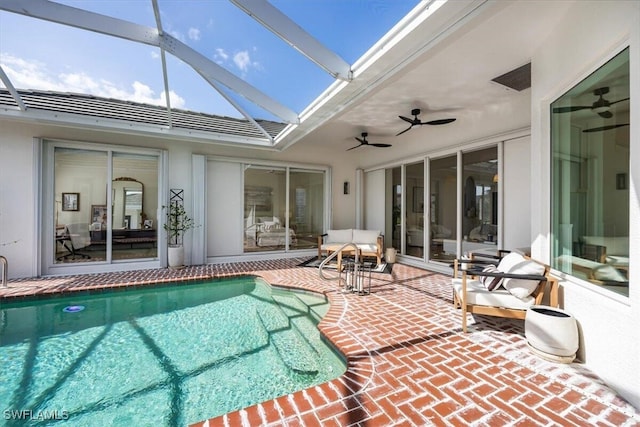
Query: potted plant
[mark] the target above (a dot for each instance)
(178, 223)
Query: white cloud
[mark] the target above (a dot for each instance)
(242, 60)
(35, 75)
(220, 56)
(194, 34)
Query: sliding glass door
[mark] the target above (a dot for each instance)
(306, 204)
(414, 210)
(480, 200)
(430, 212)
(80, 190)
(283, 208)
(443, 207)
(134, 203)
(105, 206)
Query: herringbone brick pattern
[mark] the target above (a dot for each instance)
(408, 361)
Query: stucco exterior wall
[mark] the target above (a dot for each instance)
(18, 214)
(589, 35)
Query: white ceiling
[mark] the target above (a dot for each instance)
(462, 47)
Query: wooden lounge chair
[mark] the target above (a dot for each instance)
(512, 301)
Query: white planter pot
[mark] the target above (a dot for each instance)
(176, 256)
(552, 333)
(390, 255)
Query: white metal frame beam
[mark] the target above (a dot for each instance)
(78, 18)
(12, 90)
(285, 28)
(163, 57)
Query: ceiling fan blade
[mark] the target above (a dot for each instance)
(619, 100)
(605, 114)
(406, 119)
(349, 149)
(570, 109)
(361, 141)
(404, 130)
(602, 128)
(439, 122)
(381, 145)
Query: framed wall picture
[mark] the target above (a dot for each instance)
(70, 201)
(99, 216)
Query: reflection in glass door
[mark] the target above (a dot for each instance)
(80, 182)
(480, 200)
(134, 203)
(414, 209)
(306, 206)
(393, 228)
(443, 208)
(265, 204)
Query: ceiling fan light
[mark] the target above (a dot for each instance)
(601, 109)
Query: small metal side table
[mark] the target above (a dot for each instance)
(356, 276)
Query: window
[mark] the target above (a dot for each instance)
(589, 182)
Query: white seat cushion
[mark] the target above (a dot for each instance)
(367, 247)
(618, 260)
(477, 294)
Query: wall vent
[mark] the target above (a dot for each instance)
(518, 79)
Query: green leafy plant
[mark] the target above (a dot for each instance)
(178, 223)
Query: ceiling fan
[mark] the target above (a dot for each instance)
(417, 122)
(600, 106)
(363, 141)
(603, 128)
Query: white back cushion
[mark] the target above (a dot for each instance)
(365, 236)
(614, 245)
(339, 236)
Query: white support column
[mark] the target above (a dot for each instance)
(359, 193)
(199, 197)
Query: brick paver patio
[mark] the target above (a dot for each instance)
(408, 361)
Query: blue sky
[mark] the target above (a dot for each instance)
(37, 54)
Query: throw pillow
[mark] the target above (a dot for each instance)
(490, 282)
(514, 263)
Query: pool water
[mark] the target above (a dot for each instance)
(169, 355)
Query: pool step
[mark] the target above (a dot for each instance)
(292, 347)
(302, 304)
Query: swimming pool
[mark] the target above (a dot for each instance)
(169, 355)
